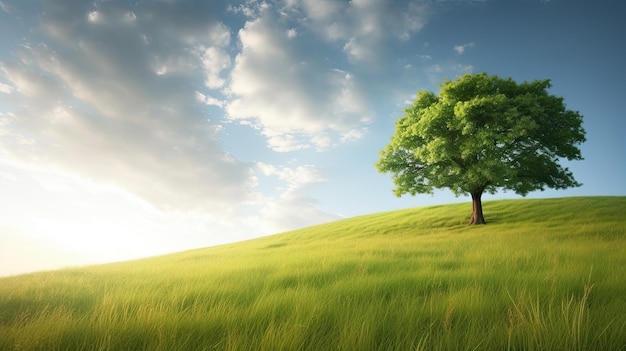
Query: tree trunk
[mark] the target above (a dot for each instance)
(477, 209)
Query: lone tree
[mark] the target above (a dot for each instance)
(482, 133)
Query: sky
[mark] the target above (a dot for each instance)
(137, 128)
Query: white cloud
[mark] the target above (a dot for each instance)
(214, 61)
(250, 8)
(353, 135)
(4, 88)
(99, 109)
(323, 141)
(293, 208)
(284, 142)
(209, 100)
(460, 49)
(323, 11)
(365, 27)
(93, 16)
(293, 96)
(296, 178)
(292, 33)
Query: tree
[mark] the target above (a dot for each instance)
(480, 134)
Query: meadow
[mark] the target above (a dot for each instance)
(543, 274)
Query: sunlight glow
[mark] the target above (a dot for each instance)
(68, 216)
(63, 220)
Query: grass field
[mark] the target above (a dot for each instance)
(545, 274)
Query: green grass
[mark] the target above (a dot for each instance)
(545, 274)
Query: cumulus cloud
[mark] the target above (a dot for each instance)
(301, 98)
(106, 95)
(214, 61)
(290, 94)
(366, 26)
(460, 49)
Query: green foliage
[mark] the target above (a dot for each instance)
(482, 133)
(546, 275)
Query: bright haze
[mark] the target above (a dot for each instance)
(137, 128)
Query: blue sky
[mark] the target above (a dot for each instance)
(136, 128)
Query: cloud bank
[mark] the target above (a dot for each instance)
(134, 96)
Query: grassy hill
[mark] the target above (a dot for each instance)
(545, 274)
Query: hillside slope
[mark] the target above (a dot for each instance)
(543, 274)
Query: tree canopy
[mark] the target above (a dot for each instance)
(483, 133)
